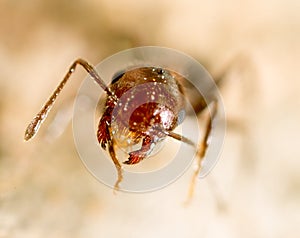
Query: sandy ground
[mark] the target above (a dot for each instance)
(45, 190)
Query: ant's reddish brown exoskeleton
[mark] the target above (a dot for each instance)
(162, 89)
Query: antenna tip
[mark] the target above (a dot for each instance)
(32, 128)
(28, 134)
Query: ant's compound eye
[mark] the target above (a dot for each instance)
(117, 76)
(181, 116)
(160, 71)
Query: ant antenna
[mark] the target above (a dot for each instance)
(35, 124)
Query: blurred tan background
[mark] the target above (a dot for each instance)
(45, 190)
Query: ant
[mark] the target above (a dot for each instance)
(146, 104)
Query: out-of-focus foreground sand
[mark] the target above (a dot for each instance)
(45, 190)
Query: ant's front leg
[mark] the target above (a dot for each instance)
(202, 147)
(104, 138)
(118, 166)
(103, 133)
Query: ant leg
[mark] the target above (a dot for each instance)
(103, 134)
(35, 124)
(118, 166)
(201, 150)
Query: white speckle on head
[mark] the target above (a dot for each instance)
(125, 107)
(165, 115)
(152, 97)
